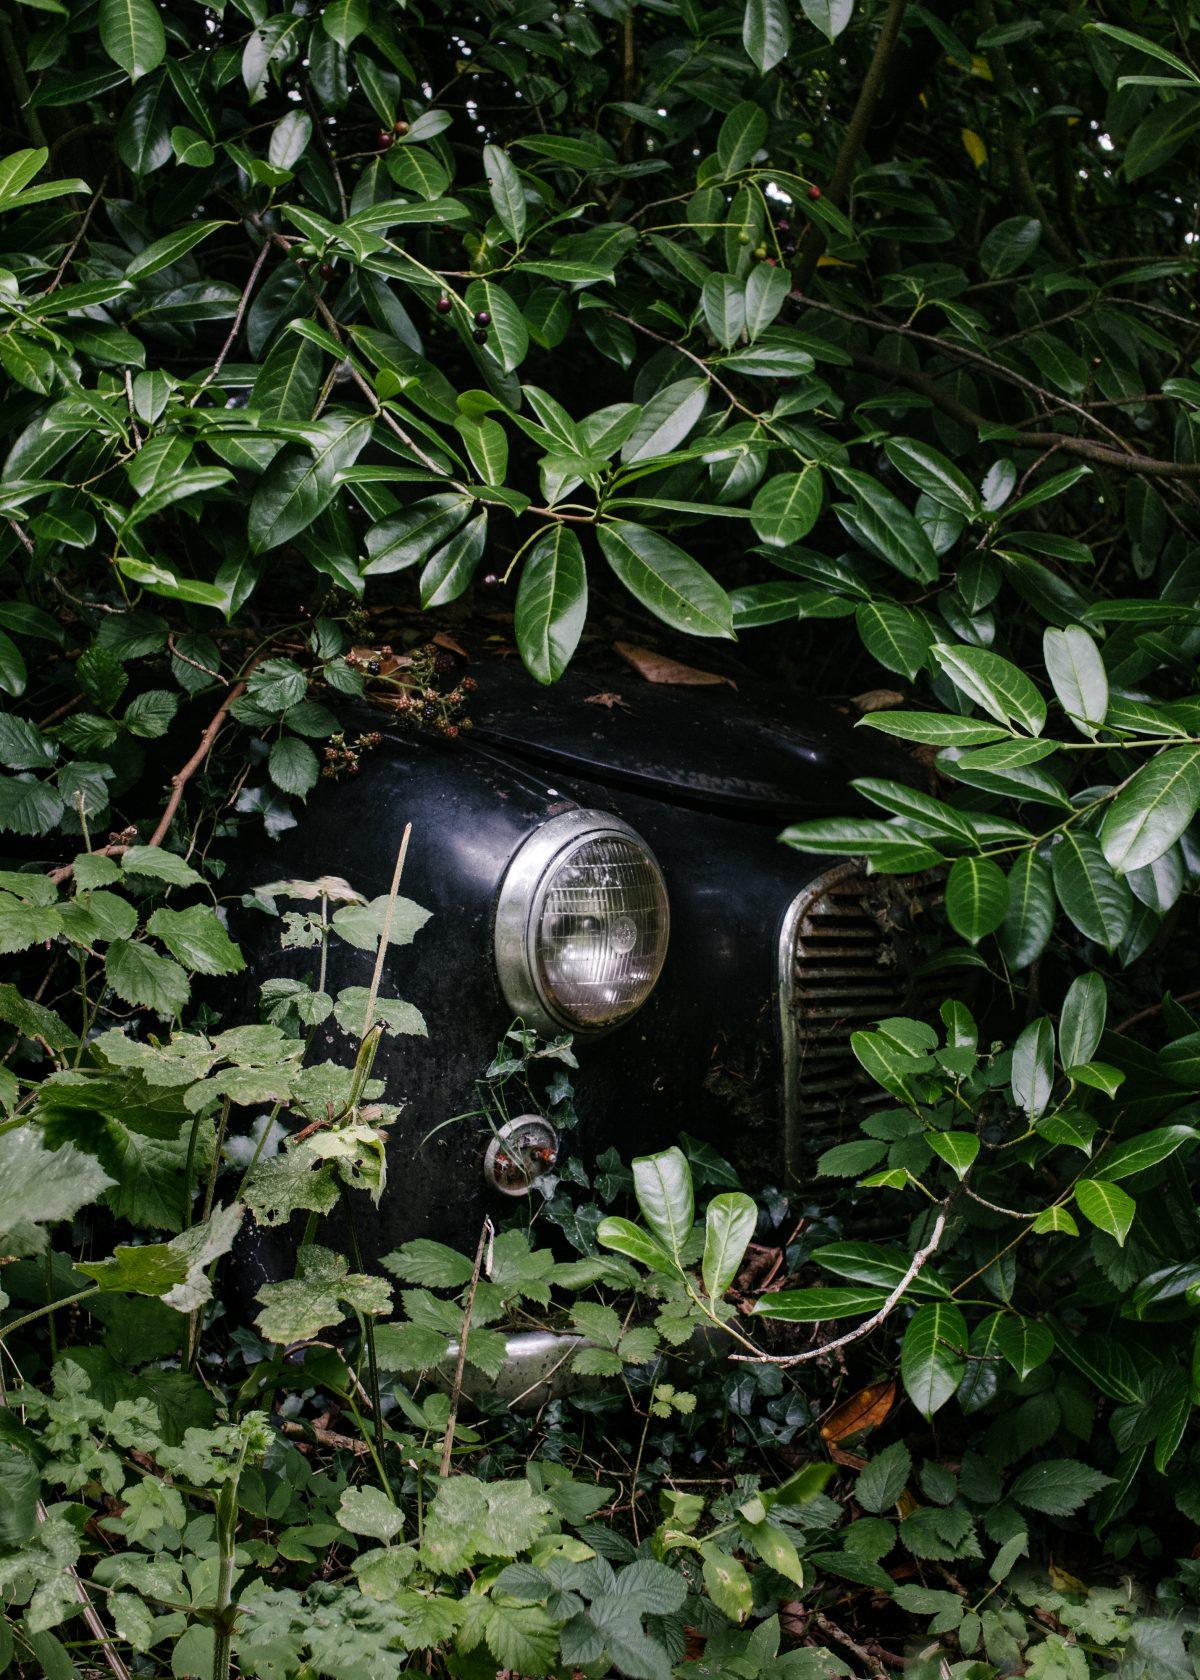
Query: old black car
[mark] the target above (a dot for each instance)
(604, 861)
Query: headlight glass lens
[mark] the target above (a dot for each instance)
(599, 931)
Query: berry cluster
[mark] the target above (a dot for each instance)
(481, 318)
(343, 758)
(413, 686)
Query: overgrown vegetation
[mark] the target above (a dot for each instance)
(863, 333)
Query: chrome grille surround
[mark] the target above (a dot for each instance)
(845, 961)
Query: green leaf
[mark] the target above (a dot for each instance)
(994, 683)
(507, 192)
(41, 1186)
(976, 897)
(344, 20)
(172, 246)
(1023, 1342)
(13, 671)
(881, 1483)
(829, 16)
(1159, 135)
(132, 34)
(1033, 1067)
(629, 1239)
(323, 1293)
(177, 1272)
(766, 32)
(668, 582)
(723, 300)
(900, 639)
(740, 136)
(933, 1355)
(814, 1306)
(767, 287)
(1009, 246)
(160, 865)
(198, 939)
(935, 729)
(508, 333)
(958, 1149)
(666, 421)
(933, 474)
(300, 483)
(1081, 1022)
(1029, 918)
(293, 766)
(1137, 1154)
(551, 604)
(884, 526)
(1108, 1208)
(1077, 673)
(1097, 901)
(729, 1223)
(663, 1186)
(1152, 810)
(143, 978)
(1057, 1487)
(877, 1264)
(449, 571)
(786, 508)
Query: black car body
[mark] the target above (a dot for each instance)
(773, 957)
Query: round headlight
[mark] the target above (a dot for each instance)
(581, 924)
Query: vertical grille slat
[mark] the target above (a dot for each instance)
(844, 961)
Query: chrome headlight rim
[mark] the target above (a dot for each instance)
(527, 881)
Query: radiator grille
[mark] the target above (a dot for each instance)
(846, 960)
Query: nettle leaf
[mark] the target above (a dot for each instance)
(198, 939)
(1057, 1487)
(143, 978)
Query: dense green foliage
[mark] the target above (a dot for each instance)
(864, 334)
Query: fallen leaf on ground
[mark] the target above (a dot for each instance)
(606, 699)
(878, 700)
(864, 1410)
(657, 668)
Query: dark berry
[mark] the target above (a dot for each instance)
(400, 126)
(326, 271)
(480, 335)
(783, 225)
(814, 192)
(384, 138)
(482, 318)
(443, 305)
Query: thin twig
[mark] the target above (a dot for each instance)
(876, 1319)
(485, 1237)
(385, 936)
(182, 777)
(236, 328)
